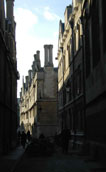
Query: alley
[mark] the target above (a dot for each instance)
(58, 162)
(52, 86)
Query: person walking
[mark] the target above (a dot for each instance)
(19, 138)
(23, 139)
(28, 136)
(65, 140)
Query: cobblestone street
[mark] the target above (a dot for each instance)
(58, 162)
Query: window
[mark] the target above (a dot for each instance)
(69, 54)
(79, 120)
(70, 92)
(104, 25)
(95, 33)
(87, 49)
(77, 38)
(77, 82)
(64, 64)
(64, 96)
(26, 115)
(74, 43)
(79, 43)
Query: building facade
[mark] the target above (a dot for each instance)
(82, 74)
(70, 74)
(95, 75)
(8, 78)
(38, 106)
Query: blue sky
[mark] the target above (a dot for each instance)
(37, 24)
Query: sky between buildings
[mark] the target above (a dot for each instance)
(37, 24)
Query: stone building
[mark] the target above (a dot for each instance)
(70, 74)
(82, 74)
(38, 106)
(95, 75)
(8, 78)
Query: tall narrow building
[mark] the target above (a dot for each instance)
(8, 78)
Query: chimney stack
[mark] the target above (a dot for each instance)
(10, 13)
(26, 82)
(38, 60)
(29, 76)
(51, 55)
(48, 55)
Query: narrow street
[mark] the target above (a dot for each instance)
(58, 162)
(52, 86)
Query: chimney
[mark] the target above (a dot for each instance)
(26, 82)
(74, 3)
(21, 94)
(35, 57)
(9, 13)
(29, 76)
(46, 54)
(38, 55)
(2, 15)
(33, 68)
(35, 63)
(23, 86)
(38, 59)
(50, 55)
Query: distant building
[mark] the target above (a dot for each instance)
(38, 97)
(8, 78)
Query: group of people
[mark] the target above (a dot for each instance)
(24, 138)
(64, 138)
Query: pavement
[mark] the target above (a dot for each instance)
(10, 161)
(18, 160)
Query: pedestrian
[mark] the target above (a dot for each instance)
(41, 136)
(28, 136)
(65, 140)
(23, 139)
(19, 137)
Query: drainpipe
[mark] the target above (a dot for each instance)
(63, 86)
